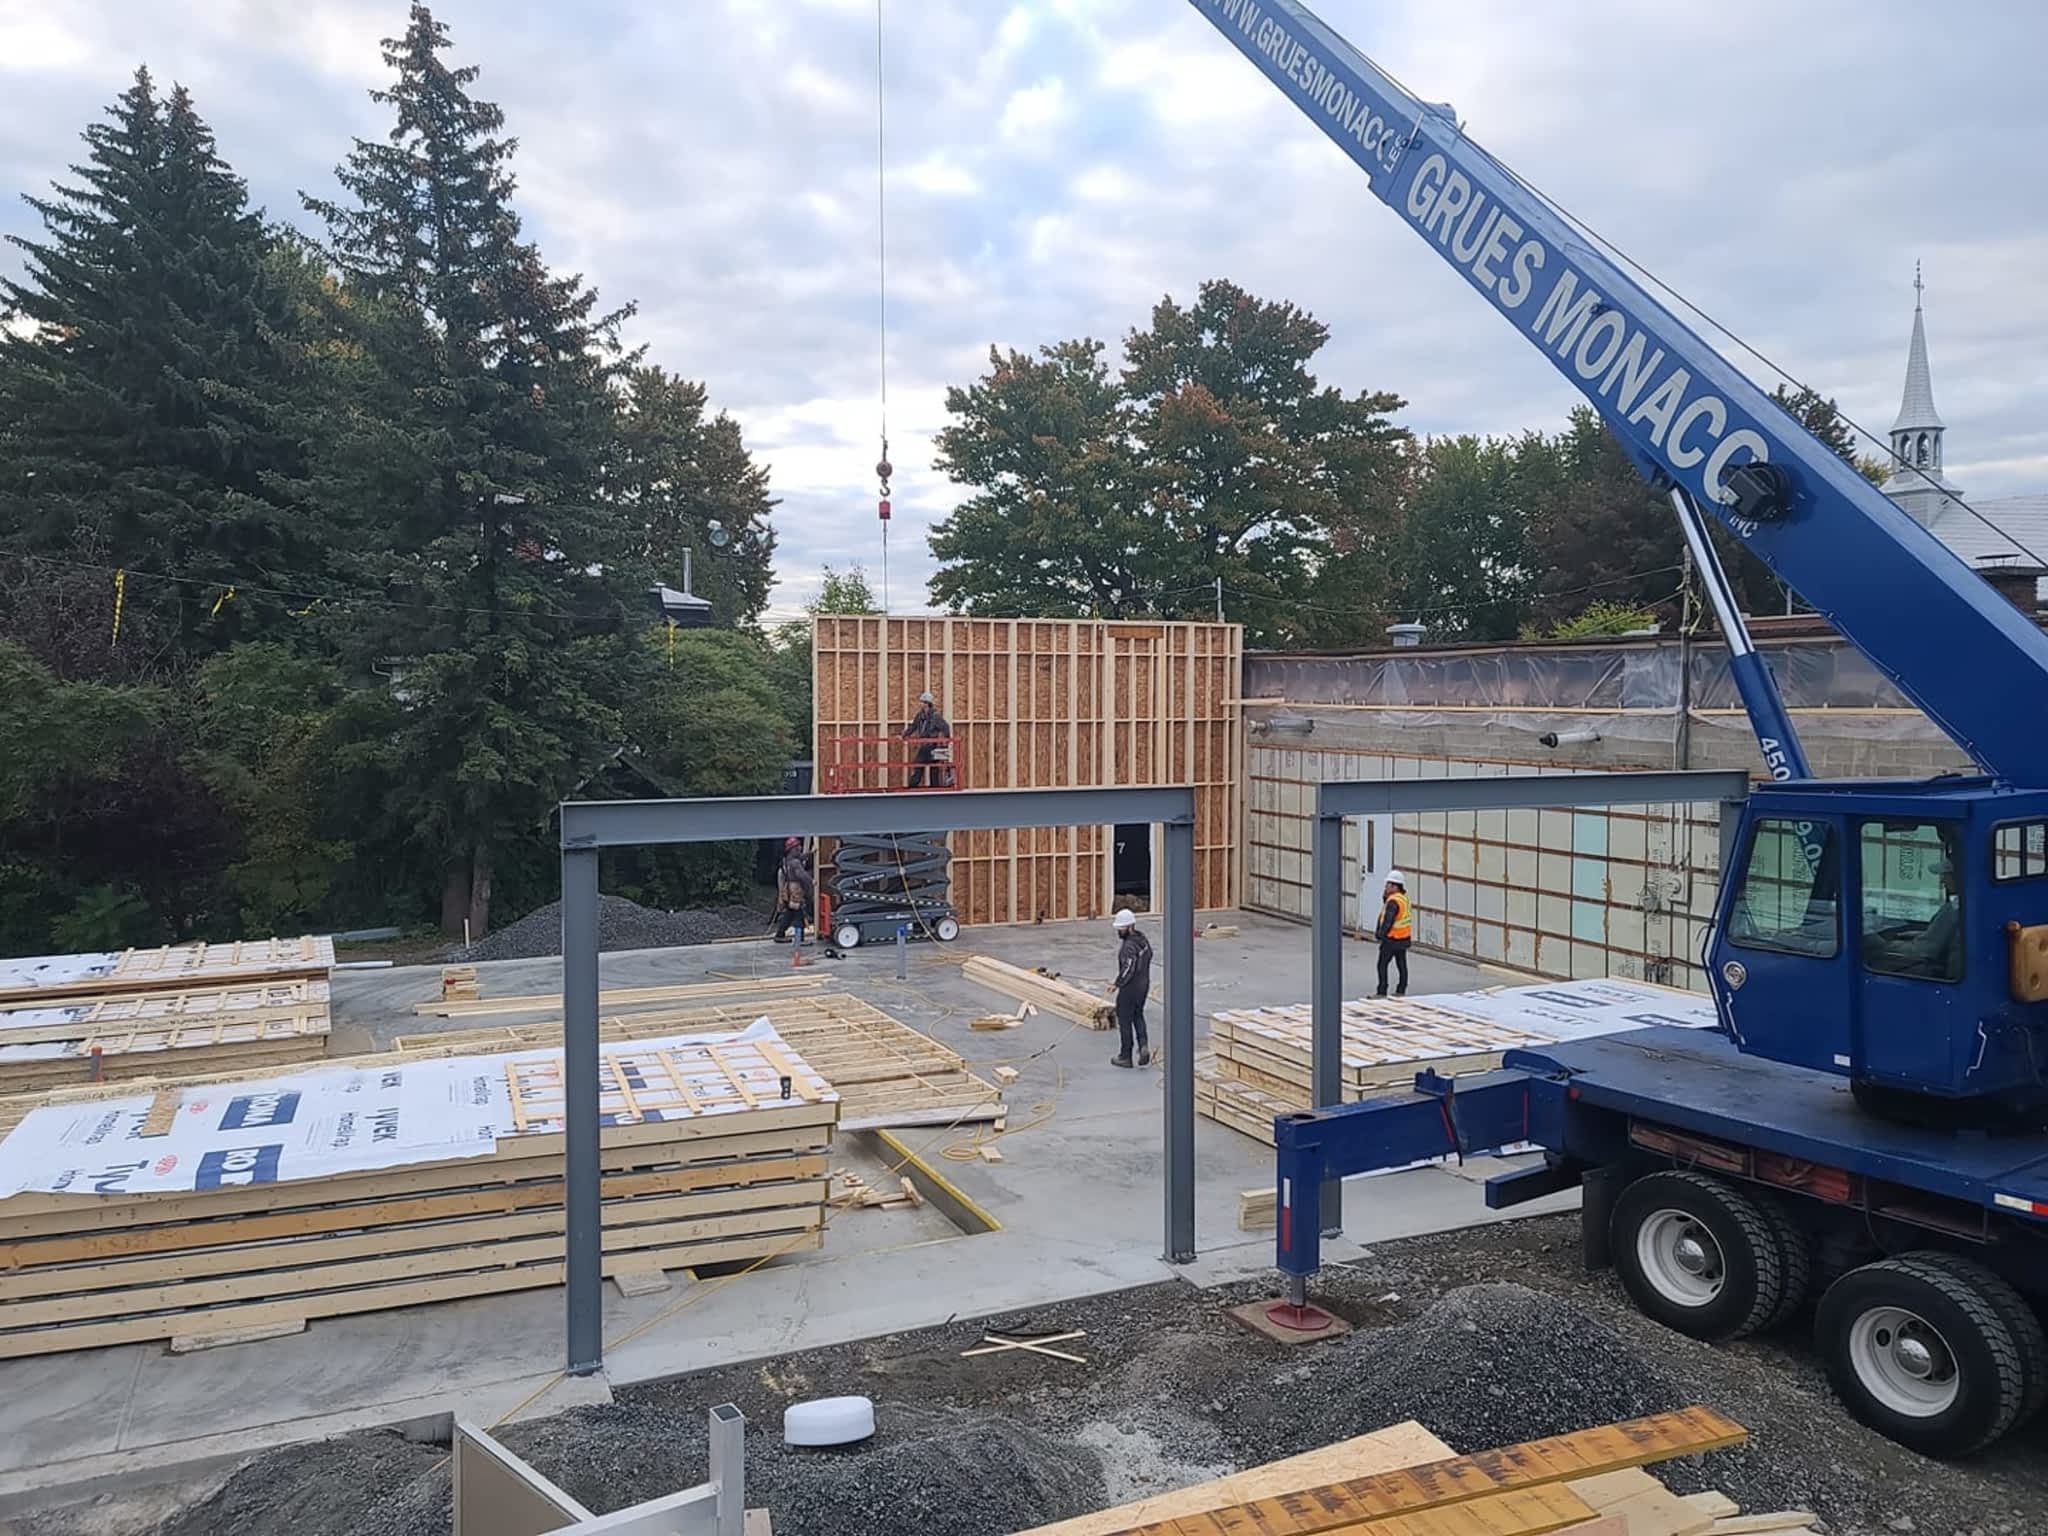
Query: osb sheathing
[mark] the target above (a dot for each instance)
(1044, 704)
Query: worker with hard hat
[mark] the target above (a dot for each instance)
(1132, 986)
(930, 729)
(1394, 930)
(794, 890)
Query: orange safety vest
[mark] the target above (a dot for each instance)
(1403, 925)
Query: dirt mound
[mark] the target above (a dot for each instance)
(621, 924)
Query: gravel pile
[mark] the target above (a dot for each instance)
(927, 1470)
(621, 924)
(326, 1488)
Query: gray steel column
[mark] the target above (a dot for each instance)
(729, 1467)
(1326, 986)
(1180, 1041)
(581, 1162)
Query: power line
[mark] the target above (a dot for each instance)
(215, 583)
(1658, 283)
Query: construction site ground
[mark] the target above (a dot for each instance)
(1079, 1196)
(1487, 1336)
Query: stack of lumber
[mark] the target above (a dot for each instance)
(706, 1159)
(1404, 1481)
(172, 965)
(458, 984)
(885, 1072)
(194, 1008)
(470, 1005)
(1260, 1061)
(1040, 991)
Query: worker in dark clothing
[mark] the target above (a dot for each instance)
(930, 729)
(1396, 927)
(1132, 986)
(794, 891)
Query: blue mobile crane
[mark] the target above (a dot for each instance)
(1869, 1125)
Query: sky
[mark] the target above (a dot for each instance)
(1053, 168)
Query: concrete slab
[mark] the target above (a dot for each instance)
(1078, 1193)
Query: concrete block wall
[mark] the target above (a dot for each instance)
(1607, 892)
(1626, 891)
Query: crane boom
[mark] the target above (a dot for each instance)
(1943, 636)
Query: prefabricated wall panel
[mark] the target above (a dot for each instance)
(1050, 704)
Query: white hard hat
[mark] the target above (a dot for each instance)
(926, 698)
(1126, 918)
(1395, 877)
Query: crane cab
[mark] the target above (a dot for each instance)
(1896, 934)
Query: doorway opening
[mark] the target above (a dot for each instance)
(1131, 866)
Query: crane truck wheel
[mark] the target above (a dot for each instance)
(1700, 1255)
(1922, 1349)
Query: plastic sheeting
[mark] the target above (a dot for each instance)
(1811, 674)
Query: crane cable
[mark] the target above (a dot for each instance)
(883, 468)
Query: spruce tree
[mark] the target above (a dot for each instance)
(145, 394)
(677, 470)
(471, 474)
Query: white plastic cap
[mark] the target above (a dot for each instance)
(828, 1421)
(1125, 918)
(1395, 877)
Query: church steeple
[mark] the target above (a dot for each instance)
(1916, 482)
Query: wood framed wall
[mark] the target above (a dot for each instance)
(1048, 704)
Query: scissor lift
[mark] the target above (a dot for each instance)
(880, 885)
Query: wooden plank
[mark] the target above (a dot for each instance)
(372, 1298)
(1521, 1512)
(1398, 1445)
(1644, 1505)
(622, 997)
(1348, 1504)
(1713, 1504)
(1783, 1521)
(220, 1338)
(1043, 992)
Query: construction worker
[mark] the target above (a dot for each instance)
(1396, 927)
(929, 727)
(794, 890)
(1132, 986)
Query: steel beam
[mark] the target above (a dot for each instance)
(636, 823)
(1180, 1042)
(1326, 987)
(585, 1257)
(590, 825)
(1521, 792)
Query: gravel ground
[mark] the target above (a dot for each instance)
(621, 924)
(1174, 1392)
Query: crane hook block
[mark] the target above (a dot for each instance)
(1759, 490)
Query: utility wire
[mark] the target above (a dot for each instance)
(241, 586)
(1622, 256)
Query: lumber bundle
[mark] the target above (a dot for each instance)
(1403, 1481)
(1261, 1062)
(468, 1004)
(172, 965)
(458, 984)
(285, 1038)
(1047, 993)
(75, 1018)
(176, 1011)
(886, 1073)
(705, 1160)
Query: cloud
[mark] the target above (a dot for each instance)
(1056, 166)
(1034, 112)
